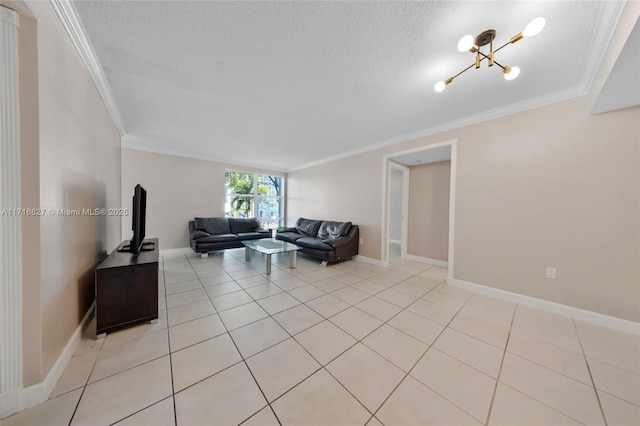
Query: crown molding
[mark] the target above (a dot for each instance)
(537, 102)
(607, 24)
(126, 144)
(540, 101)
(66, 14)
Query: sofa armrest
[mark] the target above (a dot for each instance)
(338, 242)
(347, 245)
(286, 229)
(198, 233)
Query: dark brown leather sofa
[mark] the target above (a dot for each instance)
(218, 233)
(326, 240)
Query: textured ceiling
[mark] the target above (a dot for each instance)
(284, 84)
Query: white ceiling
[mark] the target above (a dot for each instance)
(423, 156)
(281, 84)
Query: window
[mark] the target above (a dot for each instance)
(254, 195)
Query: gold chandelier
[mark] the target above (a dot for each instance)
(468, 43)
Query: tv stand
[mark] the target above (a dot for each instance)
(148, 246)
(126, 286)
(145, 246)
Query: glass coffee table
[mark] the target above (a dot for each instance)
(271, 246)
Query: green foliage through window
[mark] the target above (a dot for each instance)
(253, 195)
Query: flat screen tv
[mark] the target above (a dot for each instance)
(138, 218)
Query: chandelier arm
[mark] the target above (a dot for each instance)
(473, 65)
(504, 45)
(494, 61)
(466, 69)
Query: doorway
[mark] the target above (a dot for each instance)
(398, 209)
(400, 163)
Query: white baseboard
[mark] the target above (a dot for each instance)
(35, 394)
(369, 260)
(181, 250)
(614, 323)
(430, 261)
(10, 403)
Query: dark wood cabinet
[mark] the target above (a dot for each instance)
(127, 288)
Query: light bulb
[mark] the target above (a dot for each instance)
(439, 87)
(534, 27)
(466, 43)
(510, 73)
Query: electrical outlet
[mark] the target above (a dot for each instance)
(551, 273)
(361, 241)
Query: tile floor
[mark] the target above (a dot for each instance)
(349, 344)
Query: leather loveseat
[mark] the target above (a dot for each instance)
(326, 240)
(217, 233)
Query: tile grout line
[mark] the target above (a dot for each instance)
(291, 336)
(243, 360)
(271, 316)
(373, 413)
(544, 367)
(563, 348)
(402, 309)
(127, 369)
(593, 383)
(170, 368)
(322, 367)
(328, 319)
(86, 383)
(173, 393)
(504, 354)
(408, 373)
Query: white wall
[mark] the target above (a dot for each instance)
(178, 189)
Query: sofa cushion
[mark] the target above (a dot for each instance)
(218, 238)
(197, 234)
(312, 242)
(213, 225)
(290, 237)
(332, 230)
(308, 227)
(243, 225)
(252, 235)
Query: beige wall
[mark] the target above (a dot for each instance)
(555, 189)
(178, 189)
(347, 189)
(428, 219)
(71, 160)
(552, 186)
